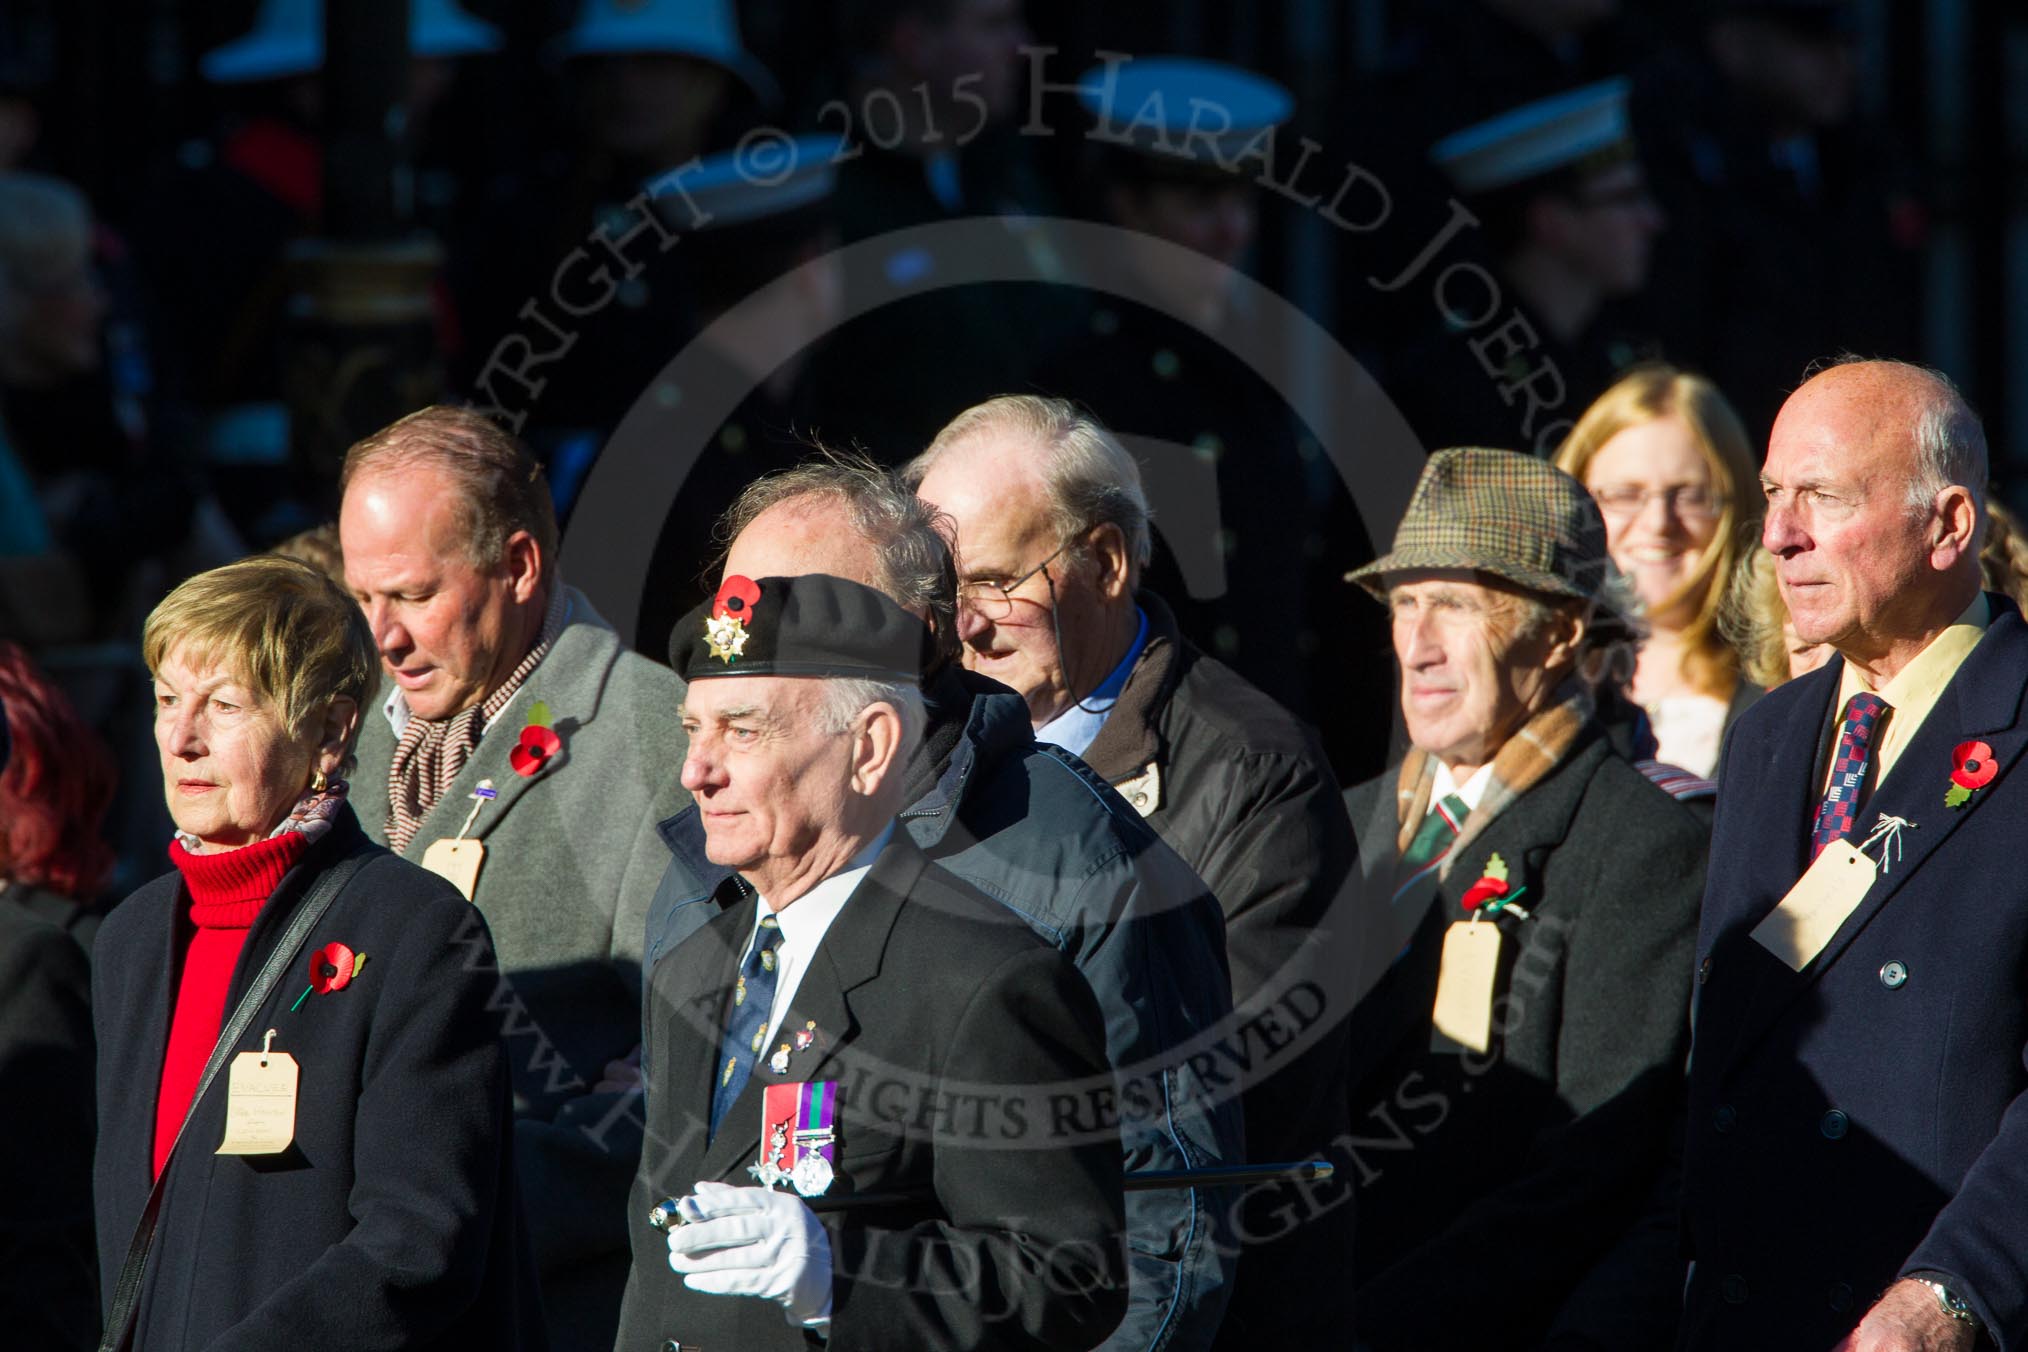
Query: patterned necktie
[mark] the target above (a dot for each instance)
(1838, 814)
(1440, 828)
(752, 1000)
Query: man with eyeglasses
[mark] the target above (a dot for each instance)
(1052, 534)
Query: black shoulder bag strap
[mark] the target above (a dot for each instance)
(127, 1290)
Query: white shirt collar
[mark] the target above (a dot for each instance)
(806, 920)
(1471, 791)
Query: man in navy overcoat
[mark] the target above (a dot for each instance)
(1856, 1170)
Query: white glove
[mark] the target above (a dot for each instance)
(754, 1242)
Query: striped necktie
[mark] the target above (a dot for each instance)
(753, 999)
(1433, 840)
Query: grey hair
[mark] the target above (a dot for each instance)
(845, 698)
(45, 228)
(1950, 446)
(1950, 441)
(1613, 627)
(910, 539)
(1090, 478)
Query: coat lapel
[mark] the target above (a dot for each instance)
(692, 990)
(571, 680)
(848, 957)
(1982, 702)
(1779, 776)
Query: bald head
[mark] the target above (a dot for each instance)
(1875, 480)
(842, 514)
(1918, 412)
(809, 534)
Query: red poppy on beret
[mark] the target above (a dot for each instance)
(331, 968)
(1972, 765)
(533, 752)
(736, 598)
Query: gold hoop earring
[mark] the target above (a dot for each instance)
(318, 781)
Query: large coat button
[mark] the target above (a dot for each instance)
(1835, 1125)
(1733, 1290)
(1726, 1118)
(1893, 975)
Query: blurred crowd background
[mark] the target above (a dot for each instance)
(237, 235)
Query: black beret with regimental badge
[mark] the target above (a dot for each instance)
(813, 625)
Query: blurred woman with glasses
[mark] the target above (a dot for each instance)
(1667, 459)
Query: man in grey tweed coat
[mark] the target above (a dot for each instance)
(523, 752)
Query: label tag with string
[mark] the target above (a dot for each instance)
(458, 858)
(1830, 890)
(260, 1104)
(1463, 1017)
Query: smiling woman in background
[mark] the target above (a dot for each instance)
(1667, 460)
(368, 1201)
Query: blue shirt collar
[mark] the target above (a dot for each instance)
(1078, 726)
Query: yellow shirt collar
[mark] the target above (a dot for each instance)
(1917, 687)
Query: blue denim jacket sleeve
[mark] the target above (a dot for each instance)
(1091, 877)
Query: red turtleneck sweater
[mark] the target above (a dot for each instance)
(226, 892)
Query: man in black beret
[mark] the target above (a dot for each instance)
(853, 1020)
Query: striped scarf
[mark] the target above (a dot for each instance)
(430, 755)
(1518, 766)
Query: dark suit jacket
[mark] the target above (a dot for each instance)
(967, 1052)
(1855, 1122)
(392, 1221)
(1536, 1156)
(48, 1283)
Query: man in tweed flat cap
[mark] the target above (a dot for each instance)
(1528, 907)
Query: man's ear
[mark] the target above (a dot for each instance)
(522, 561)
(1955, 529)
(1564, 636)
(1112, 562)
(876, 748)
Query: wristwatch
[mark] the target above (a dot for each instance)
(1953, 1304)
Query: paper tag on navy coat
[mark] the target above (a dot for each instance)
(1463, 1018)
(260, 1104)
(1797, 930)
(457, 860)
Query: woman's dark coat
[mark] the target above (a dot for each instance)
(392, 1221)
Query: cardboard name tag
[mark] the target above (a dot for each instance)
(457, 860)
(1463, 1018)
(1797, 930)
(260, 1105)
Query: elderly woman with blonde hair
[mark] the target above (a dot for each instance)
(1667, 460)
(303, 1107)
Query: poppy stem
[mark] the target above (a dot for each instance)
(299, 999)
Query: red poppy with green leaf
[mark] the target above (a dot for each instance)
(1972, 768)
(539, 743)
(1494, 893)
(1491, 886)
